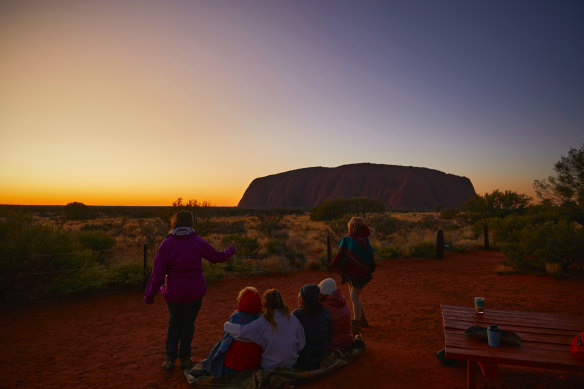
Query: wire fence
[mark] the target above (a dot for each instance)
(146, 248)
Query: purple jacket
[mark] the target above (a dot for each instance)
(178, 269)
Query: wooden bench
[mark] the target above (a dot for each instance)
(545, 340)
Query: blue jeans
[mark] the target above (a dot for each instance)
(181, 327)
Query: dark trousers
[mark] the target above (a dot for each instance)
(181, 327)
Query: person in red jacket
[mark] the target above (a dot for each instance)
(230, 355)
(333, 301)
(178, 274)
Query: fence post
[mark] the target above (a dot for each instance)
(486, 234)
(440, 245)
(144, 269)
(328, 253)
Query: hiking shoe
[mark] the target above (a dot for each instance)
(168, 365)
(186, 364)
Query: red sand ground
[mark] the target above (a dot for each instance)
(117, 341)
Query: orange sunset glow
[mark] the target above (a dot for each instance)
(138, 103)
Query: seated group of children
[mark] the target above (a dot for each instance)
(268, 336)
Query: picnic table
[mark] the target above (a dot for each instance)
(545, 340)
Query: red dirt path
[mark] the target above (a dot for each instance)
(117, 341)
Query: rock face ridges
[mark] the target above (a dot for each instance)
(398, 187)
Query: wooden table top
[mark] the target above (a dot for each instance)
(545, 337)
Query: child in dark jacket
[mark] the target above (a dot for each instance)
(317, 325)
(230, 355)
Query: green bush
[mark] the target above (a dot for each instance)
(119, 276)
(384, 225)
(246, 247)
(38, 261)
(388, 252)
(213, 271)
(270, 222)
(276, 247)
(532, 246)
(427, 222)
(449, 214)
(241, 266)
(280, 248)
(96, 240)
(423, 250)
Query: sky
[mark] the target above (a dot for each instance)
(119, 102)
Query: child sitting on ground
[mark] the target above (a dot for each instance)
(334, 302)
(230, 355)
(317, 328)
(279, 333)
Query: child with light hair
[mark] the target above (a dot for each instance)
(279, 333)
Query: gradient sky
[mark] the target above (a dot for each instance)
(118, 102)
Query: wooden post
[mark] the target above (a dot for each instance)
(144, 269)
(440, 245)
(486, 234)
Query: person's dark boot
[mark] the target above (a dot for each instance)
(355, 326)
(168, 364)
(186, 364)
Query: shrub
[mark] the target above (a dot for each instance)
(276, 264)
(96, 240)
(338, 208)
(533, 246)
(314, 264)
(449, 214)
(427, 222)
(227, 227)
(77, 211)
(33, 256)
(388, 252)
(213, 272)
(423, 250)
(246, 247)
(270, 222)
(338, 228)
(241, 266)
(276, 247)
(384, 225)
(119, 276)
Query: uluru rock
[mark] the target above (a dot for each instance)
(397, 187)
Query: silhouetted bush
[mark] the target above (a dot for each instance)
(532, 246)
(77, 211)
(335, 209)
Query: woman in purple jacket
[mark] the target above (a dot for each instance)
(178, 274)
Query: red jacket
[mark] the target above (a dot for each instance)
(245, 355)
(336, 304)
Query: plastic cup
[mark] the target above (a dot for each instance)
(493, 336)
(479, 304)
